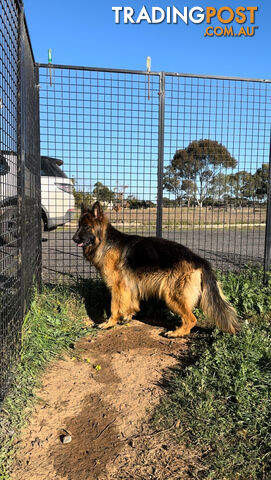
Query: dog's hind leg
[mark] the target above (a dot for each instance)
(182, 300)
(188, 318)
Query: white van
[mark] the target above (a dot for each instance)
(8, 197)
(57, 200)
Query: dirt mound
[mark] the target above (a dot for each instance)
(102, 397)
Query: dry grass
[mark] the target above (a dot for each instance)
(184, 216)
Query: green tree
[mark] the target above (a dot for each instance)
(197, 164)
(188, 191)
(170, 203)
(80, 197)
(220, 187)
(184, 190)
(261, 179)
(103, 193)
(171, 181)
(242, 186)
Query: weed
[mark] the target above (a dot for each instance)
(246, 291)
(222, 400)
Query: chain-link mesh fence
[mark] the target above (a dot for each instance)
(103, 127)
(217, 139)
(182, 156)
(20, 250)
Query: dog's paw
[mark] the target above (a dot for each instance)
(169, 334)
(127, 319)
(104, 325)
(176, 333)
(109, 324)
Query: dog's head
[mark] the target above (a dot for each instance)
(90, 229)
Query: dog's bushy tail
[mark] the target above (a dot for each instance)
(215, 305)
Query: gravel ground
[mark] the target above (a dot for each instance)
(227, 249)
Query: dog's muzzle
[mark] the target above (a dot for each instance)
(83, 242)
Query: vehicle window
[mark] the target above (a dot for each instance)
(4, 167)
(50, 169)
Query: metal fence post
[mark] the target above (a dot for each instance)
(39, 259)
(161, 132)
(21, 162)
(267, 244)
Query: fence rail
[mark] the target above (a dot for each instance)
(146, 73)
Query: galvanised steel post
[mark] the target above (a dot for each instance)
(20, 164)
(38, 179)
(267, 245)
(160, 170)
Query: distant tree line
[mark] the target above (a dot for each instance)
(196, 176)
(109, 198)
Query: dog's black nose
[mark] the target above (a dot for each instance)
(76, 238)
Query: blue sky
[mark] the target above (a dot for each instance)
(84, 33)
(119, 147)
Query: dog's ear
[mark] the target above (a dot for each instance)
(97, 211)
(84, 208)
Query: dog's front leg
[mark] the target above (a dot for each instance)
(115, 307)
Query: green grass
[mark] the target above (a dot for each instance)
(54, 322)
(221, 399)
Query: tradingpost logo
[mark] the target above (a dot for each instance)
(242, 19)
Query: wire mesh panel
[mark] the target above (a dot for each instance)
(99, 140)
(19, 183)
(29, 172)
(216, 163)
(10, 283)
(182, 156)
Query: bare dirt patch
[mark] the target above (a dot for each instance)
(105, 410)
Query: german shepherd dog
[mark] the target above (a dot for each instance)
(135, 268)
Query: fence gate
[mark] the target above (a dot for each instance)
(226, 222)
(104, 126)
(181, 156)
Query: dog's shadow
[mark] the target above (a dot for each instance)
(97, 299)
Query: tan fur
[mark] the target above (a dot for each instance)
(127, 290)
(182, 286)
(220, 313)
